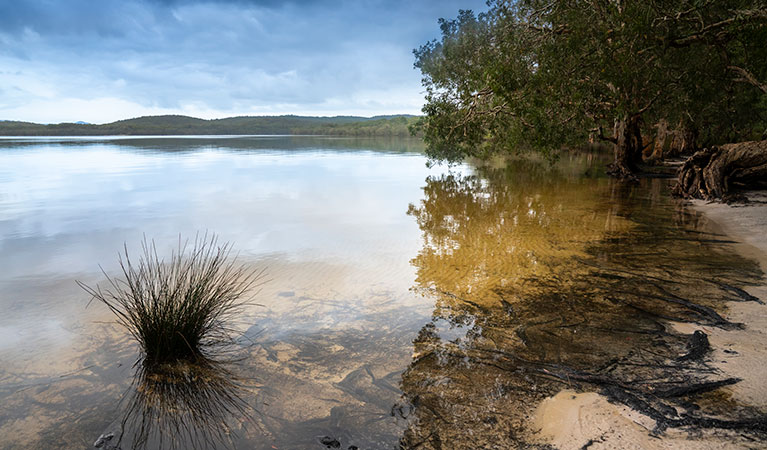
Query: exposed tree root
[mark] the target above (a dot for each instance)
(717, 173)
(622, 172)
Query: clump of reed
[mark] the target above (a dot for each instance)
(179, 309)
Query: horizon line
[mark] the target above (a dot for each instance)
(82, 122)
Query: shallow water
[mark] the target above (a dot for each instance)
(405, 305)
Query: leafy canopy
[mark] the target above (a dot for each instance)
(550, 73)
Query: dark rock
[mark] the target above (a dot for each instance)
(697, 347)
(330, 442)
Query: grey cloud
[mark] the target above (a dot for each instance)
(223, 54)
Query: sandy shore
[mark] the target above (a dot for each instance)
(571, 420)
(745, 223)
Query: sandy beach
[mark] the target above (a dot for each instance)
(571, 420)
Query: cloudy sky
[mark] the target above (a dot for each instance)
(105, 60)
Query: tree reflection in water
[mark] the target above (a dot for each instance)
(545, 279)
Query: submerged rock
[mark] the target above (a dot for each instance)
(103, 441)
(697, 347)
(330, 442)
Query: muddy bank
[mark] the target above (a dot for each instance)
(571, 420)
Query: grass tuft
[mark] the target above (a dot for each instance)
(178, 309)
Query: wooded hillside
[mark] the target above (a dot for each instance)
(183, 125)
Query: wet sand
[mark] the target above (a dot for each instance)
(571, 420)
(746, 224)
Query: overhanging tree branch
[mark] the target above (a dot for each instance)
(748, 77)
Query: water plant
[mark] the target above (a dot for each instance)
(182, 308)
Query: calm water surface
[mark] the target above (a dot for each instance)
(405, 305)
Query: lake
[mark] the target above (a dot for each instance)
(402, 305)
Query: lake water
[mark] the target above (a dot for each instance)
(404, 305)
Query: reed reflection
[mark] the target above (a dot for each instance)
(182, 405)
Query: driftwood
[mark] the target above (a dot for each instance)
(717, 173)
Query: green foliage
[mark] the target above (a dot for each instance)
(183, 125)
(544, 74)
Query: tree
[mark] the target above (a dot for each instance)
(545, 74)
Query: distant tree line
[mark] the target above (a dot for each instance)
(546, 74)
(183, 125)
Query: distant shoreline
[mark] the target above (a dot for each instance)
(173, 125)
(97, 137)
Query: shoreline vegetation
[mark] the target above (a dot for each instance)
(168, 125)
(650, 79)
(655, 81)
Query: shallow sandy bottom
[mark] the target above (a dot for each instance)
(571, 420)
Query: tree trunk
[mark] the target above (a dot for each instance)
(628, 148)
(672, 142)
(684, 141)
(660, 147)
(718, 172)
